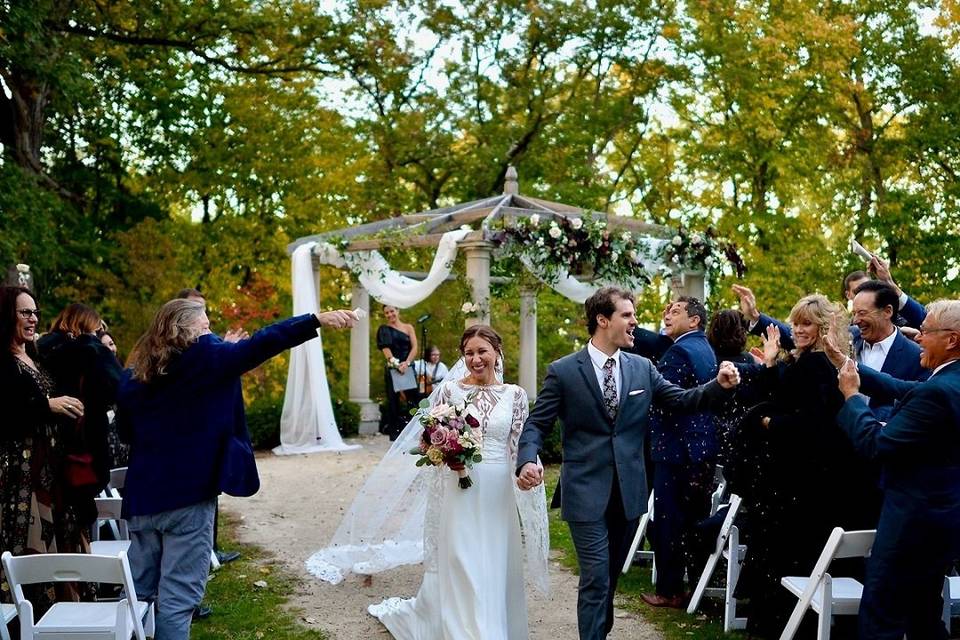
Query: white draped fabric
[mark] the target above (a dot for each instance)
(307, 424)
(388, 286)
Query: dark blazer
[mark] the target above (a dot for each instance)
(595, 448)
(649, 344)
(685, 437)
(919, 447)
(902, 361)
(913, 313)
(180, 424)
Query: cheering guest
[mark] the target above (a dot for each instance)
(181, 407)
(919, 447)
(33, 518)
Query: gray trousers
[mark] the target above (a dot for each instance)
(170, 562)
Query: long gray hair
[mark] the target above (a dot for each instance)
(171, 331)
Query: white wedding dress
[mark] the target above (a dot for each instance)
(473, 583)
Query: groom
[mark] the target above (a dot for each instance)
(602, 397)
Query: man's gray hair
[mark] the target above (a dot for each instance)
(946, 313)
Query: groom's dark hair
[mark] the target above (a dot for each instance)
(604, 303)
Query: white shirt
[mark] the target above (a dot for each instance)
(874, 355)
(599, 358)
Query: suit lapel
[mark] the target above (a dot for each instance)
(893, 356)
(590, 379)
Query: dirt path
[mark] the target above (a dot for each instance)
(299, 506)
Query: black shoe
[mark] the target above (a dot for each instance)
(201, 612)
(223, 557)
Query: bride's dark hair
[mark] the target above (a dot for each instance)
(482, 331)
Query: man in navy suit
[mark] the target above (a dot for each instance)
(878, 343)
(601, 396)
(684, 448)
(919, 447)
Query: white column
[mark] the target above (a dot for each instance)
(528, 341)
(694, 284)
(477, 253)
(360, 364)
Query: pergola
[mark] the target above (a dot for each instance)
(425, 229)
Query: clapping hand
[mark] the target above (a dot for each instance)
(727, 375)
(771, 344)
(848, 379)
(748, 303)
(339, 319)
(531, 475)
(833, 352)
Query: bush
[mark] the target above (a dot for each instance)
(263, 420)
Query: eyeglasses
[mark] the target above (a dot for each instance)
(924, 332)
(26, 314)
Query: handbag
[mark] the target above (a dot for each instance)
(238, 472)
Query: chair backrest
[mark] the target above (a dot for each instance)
(841, 544)
(118, 478)
(109, 508)
(728, 521)
(69, 567)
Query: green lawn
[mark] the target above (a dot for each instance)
(673, 623)
(242, 610)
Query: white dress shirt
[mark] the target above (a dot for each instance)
(599, 358)
(874, 355)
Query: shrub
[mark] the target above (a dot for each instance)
(347, 415)
(263, 421)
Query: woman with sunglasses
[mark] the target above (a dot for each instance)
(31, 455)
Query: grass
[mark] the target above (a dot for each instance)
(674, 624)
(244, 609)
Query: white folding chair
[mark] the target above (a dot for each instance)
(118, 479)
(636, 552)
(718, 497)
(120, 620)
(951, 599)
(734, 558)
(7, 613)
(108, 510)
(824, 594)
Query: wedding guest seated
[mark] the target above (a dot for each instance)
(429, 372)
(180, 406)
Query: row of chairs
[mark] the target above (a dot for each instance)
(820, 592)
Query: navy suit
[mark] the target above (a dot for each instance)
(919, 531)
(603, 475)
(684, 449)
(179, 426)
(902, 362)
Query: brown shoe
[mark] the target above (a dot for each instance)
(656, 600)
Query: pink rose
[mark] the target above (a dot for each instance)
(439, 436)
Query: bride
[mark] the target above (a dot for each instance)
(471, 541)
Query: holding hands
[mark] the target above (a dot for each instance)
(530, 476)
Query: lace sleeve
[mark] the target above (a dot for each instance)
(531, 505)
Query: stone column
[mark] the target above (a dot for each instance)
(528, 341)
(694, 283)
(478, 253)
(360, 364)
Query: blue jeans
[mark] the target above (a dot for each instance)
(170, 561)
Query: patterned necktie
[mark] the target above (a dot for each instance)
(610, 389)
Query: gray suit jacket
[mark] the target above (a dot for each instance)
(594, 446)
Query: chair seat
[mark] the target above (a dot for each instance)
(7, 612)
(84, 617)
(846, 594)
(109, 547)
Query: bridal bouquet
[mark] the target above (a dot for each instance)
(451, 436)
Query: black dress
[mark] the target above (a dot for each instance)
(799, 479)
(398, 404)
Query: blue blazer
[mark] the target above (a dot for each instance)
(919, 447)
(180, 426)
(597, 449)
(685, 437)
(902, 362)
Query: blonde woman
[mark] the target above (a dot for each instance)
(180, 406)
(812, 480)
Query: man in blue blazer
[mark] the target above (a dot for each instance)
(683, 447)
(602, 396)
(918, 536)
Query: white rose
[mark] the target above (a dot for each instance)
(555, 232)
(625, 236)
(576, 223)
(633, 255)
(539, 241)
(614, 256)
(467, 307)
(708, 261)
(535, 219)
(696, 238)
(677, 241)
(675, 259)
(23, 268)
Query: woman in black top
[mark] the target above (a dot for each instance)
(397, 341)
